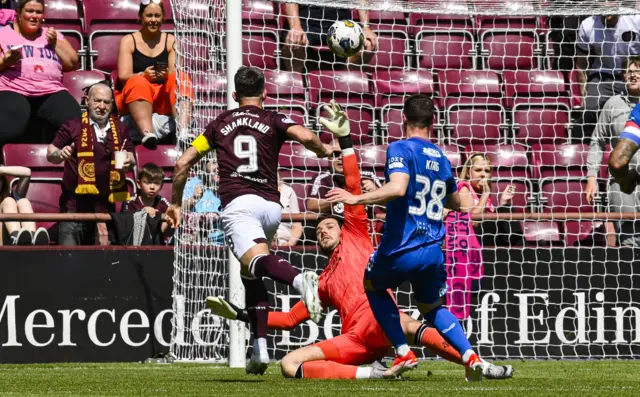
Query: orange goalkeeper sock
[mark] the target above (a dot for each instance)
(326, 370)
(431, 339)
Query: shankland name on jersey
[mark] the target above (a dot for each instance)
(247, 141)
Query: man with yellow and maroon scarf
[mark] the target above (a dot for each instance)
(91, 182)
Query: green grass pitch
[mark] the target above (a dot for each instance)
(532, 378)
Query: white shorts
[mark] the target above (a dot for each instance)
(248, 220)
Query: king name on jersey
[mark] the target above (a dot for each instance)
(244, 121)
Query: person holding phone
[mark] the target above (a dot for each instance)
(147, 72)
(32, 60)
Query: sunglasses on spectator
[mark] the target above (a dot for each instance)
(147, 2)
(337, 154)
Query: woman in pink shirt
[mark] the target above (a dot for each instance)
(32, 60)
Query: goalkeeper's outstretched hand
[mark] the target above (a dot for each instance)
(338, 123)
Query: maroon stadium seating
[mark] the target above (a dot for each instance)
(442, 49)
(566, 194)
(392, 86)
(541, 232)
(259, 13)
(165, 157)
(443, 22)
(33, 156)
(559, 161)
(350, 89)
(286, 93)
(534, 86)
(510, 50)
(507, 160)
(77, 81)
(393, 49)
(299, 164)
(301, 192)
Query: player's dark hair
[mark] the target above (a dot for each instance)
(337, 218)
(152, 173)
(249, 82)
(418, 111)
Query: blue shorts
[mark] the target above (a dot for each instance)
(423, 267)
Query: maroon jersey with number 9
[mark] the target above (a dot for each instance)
(247, 141)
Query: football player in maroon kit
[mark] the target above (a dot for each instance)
(247, 141)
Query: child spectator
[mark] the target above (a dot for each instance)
(15, 202)
(149, 183)
(200, 197)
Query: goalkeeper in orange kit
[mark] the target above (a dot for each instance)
(362, 340)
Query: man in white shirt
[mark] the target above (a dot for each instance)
(603, 43)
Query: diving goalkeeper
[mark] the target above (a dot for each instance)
(362, 340)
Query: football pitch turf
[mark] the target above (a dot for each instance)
(532, 378)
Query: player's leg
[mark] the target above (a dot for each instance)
(335, 358)
(383, 274)
(423, 335)
(429, 285)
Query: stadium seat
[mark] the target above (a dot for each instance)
(508, 161)
(510, 49)
(541, 232)
(165, 157)
(299, 164)
(63, 15)
(566, 194)
(77, 81)
(350, 89)
(391, 88)
(557, 161)
(259, 14)
(260, 49)
(541, 106)
(459, 19)
(198, 51)
(372, 158)
(473, 106)
(393, 49)
(445, 49)
(455, 157)
(33, 156)
(286, 93)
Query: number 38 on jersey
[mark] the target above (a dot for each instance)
(430, 197)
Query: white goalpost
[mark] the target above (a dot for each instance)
(556, 280)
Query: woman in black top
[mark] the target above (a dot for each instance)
(147, 71)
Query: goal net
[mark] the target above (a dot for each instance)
(530, 91)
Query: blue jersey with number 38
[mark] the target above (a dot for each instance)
(417, 218)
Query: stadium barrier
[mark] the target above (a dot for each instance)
(92, 304)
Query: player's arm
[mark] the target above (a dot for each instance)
(199, 148)
(395, 188)
(309, 140)
(626, 147)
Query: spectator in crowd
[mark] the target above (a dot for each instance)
(147, 198)
(309, 25)
(605, 41)
(31, 65)
(200, 197)
(15, 202)
(288, 233)
(91, 181)
(9, 4)
(474, 187)
(147, 71)
(611, 121)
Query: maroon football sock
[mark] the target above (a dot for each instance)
(273, 267)
(257, 303)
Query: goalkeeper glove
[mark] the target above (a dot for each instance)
(338, 123)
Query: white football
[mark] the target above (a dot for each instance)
(345, 38)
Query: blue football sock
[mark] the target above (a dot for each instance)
(386, 313)
(449, 327)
